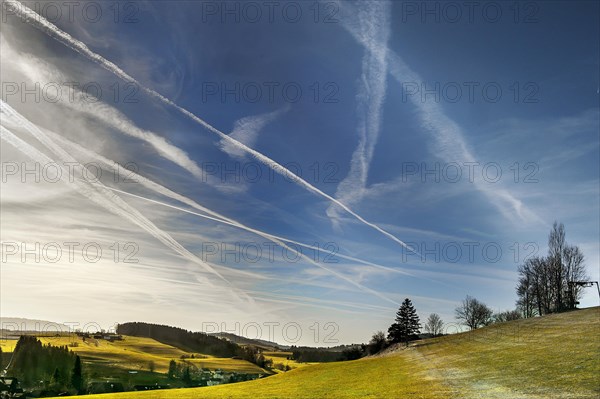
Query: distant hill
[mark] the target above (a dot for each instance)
(31, 325)
(274, 346)
(178, 337)
(270, 345)
(338, 348)
(260, 343)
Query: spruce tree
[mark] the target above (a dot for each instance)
(172, 369)
(76, 375)
(187, 377)
(56, 379)
(407, 325)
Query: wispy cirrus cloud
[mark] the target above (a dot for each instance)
(43, 73)
(247, 129)
(373, 26)
(97, 192)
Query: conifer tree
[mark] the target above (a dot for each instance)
(187, 377)
(56, 379)
(76, 375)
(407, 325)
(172, 369)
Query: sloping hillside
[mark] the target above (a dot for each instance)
(557, 356)
(136, 353)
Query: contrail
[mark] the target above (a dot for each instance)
(98, 193)
(279, 241)
(40, 72)
(52, 30)
(262, 234)
(374, 26)
(448, 137)
(273, 237)
(217, 217)
(120, 208)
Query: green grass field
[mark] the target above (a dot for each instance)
(557, 356)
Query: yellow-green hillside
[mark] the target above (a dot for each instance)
(556, 356)
(283, 358)
(136, 360)
(132, 353)
(7, 345)
(136, 353)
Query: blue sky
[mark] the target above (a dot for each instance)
(464, 140)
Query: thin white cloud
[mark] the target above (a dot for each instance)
(246, 130)
(43, 74)
(39, 71)
(97, 192)
(53, 31)
(215, 216)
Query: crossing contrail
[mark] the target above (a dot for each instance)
(449, 142)
(97, 193)
(218, 217)
(208, 213)
(374, 27)
(53, 31)
(100, 195)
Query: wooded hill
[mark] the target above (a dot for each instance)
(183, 339)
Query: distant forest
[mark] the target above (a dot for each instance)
(211, 345)
(180, 338)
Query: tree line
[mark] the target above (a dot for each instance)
(324, 355)
(183, 339)
(546, 285)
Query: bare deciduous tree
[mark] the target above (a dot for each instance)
(546, 283)
(473, 313)
(574, 270)
(526, 294)
(508, 315)
(434, 325)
